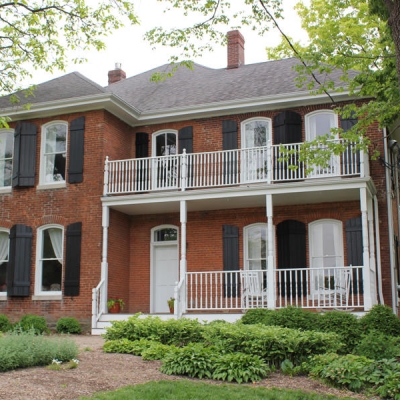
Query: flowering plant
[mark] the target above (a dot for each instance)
(112, 302)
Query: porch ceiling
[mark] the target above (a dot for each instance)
(238, 197)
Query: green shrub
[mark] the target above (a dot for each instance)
(35, 322)
(68, 325)
(377, 346)
(127, 346)
(381, 318)
(156, 351)
(257, 316)
(349, 371)
(177, 332)
(5, 324)
(194, 360)
(239, 367)
(346, 325)
(21, 349)
(272, 343)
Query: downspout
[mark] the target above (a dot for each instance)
(378, 251)
(390, 225)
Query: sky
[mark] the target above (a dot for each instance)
(127, 46)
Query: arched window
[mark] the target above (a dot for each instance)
(255, 135)
(255, 247)
(6, 156)
(49, 261)
(4, 250)
(319, 123)
(54, 153)
(326, 250)
(165, 143)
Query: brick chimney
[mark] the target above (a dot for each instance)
(116, 74)
(235, 49)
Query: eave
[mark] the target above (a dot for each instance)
(134, 117)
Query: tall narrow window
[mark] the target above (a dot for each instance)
(54, 152)
(326, 251)
(50, 259)
(165, 162)
(256, 133)
(6, 157)
(4, 249)
(320, 123)
(256, 247)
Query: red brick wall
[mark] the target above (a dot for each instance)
(74, 203)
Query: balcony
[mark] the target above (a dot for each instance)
(224, 168)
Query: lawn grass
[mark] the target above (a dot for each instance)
(187, 390)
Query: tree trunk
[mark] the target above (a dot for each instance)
(393, 6)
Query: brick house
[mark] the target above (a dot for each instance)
(147, 191)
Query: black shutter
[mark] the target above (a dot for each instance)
(292, 254)
(24, 163)
(73, 259)
(19, 266)
(230, 236)
(354, 244)
(287, 129)
(142, 167)
(76, 150)
(185, 137)
(230, 142)
(142, 144)
(346, 125)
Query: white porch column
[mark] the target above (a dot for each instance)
(271, 257)
(104, 263)
(365, 236)
(183, 262)
(372, 259)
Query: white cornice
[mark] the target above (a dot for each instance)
(135, 117)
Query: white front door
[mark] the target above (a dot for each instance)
(165, 267)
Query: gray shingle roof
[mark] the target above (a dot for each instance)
(66, 87)
(202, 85)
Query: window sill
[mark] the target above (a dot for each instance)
(3, 296)
(60, 185)
(5, 189)
(44, 297)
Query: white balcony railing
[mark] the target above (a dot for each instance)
(315, 288)
(223, 168)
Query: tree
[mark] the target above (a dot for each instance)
(352, 35)
(38, 34)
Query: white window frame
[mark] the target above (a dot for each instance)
(246, 231)
(334, 162)
(3, 295)
(316, 275)
(7, 189)
(254, 159)
(167, 163)
(42, 176)
(39, 293)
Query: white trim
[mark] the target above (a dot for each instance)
(154, 244)
(44, 297)
(42, 173)
(38, 265)
(162, 132)
(7, 189)
(54, 185)
(247, 121)
(246, 230)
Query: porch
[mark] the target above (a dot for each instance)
(226, 168)
(228, 294)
